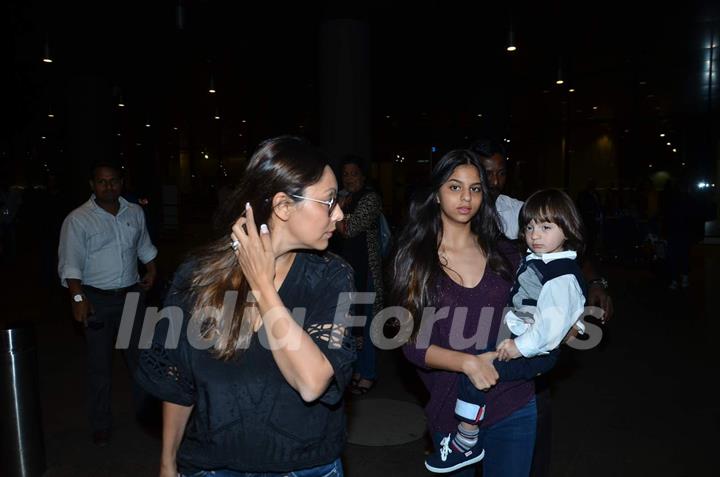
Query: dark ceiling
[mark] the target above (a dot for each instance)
(637, 63)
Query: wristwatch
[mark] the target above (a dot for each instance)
(601, 282)
(78, 298)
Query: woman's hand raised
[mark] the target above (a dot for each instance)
(254, 251)
(480, 370)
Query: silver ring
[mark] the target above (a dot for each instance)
(235, 245)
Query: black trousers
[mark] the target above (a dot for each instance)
(100, 335)
(471, 400)
(543, 434)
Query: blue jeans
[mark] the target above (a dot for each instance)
(508, 445)
(333, 469)
(365, 363)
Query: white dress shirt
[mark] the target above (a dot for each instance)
(509, 211)
(560, 305)
(102, 249)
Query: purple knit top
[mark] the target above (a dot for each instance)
(491, 293)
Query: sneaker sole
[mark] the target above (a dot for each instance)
(447, 470)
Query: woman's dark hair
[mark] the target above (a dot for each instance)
(555, 206)
(416, 266)
(283, 164)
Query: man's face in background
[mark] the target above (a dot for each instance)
(496, 174)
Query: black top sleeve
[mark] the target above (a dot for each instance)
(326, 325)
(165, 368)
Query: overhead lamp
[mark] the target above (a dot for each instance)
(560, 76)
(511, 40)
(571, 90)
(46, 55)
(662, 134)
(212, 89)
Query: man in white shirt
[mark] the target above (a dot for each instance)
(100, 244)
(493, 157)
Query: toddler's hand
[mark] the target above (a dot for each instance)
(507, 350)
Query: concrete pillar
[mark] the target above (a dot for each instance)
(345, 85)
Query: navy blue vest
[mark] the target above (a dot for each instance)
(546, 272)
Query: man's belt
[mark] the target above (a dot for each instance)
(110, 292)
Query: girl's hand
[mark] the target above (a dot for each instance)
(168, 470)
(254, 251)
(507, 350)
(480, 370)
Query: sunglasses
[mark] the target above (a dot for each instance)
(331, 204)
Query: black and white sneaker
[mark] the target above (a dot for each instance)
(448, 458)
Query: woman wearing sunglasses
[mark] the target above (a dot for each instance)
(256, 386)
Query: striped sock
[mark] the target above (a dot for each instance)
(465, 439)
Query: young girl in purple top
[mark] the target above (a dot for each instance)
(548, 299)
(453, 257)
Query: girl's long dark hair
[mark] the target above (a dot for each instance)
(416, 267)
(283, 164)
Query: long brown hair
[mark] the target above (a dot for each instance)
(283, 164)
(416, 265)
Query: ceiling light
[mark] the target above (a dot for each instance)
(511, 41)
(46, 56)
(212, 89)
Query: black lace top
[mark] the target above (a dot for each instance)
(246, 417)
